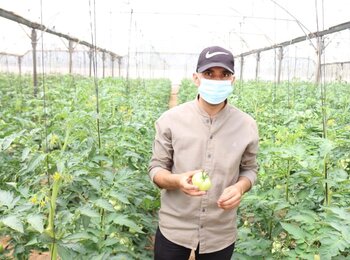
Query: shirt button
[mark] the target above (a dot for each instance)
(209, 155)
(201, 226)
(203, 210)
(211, 137)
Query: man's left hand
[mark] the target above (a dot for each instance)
(231, 197)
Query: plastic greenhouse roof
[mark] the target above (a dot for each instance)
(170, 26)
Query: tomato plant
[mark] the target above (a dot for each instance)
(60, 190)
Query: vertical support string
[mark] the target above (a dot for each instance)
(44, 95)
(94, 65)
(320, 80)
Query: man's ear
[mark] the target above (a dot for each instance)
(196, 79)
(233, 79)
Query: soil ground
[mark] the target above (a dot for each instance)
(173, 96)
(33, 256)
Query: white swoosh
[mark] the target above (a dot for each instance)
(209, 55)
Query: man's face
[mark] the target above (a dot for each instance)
(214, 73)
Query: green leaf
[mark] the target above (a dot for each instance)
(25, 154)
(302, 219)
(110, 241)
(35, 162)
(74, 247)
(346, 235)
(86, 211)
(95, 184)
(294, 231)
(338, 175)
(326, 147)
(102, 203)
(13, 222)
(281, 205)
(101, 158)
(77, 237)
(65, 253)
(37, 222)
(102, 256)
(70, 251)
(7, 198)
(122, 256)
(7, 141)
(119, 196)
(332, 245)
(341, 213)
(33, 241)
(125, 221)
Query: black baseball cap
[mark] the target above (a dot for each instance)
(215, 56)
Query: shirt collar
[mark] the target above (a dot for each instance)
(201, 111)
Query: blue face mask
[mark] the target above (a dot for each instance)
(215, 91)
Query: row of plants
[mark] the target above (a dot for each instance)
(300, 206)
(73, 166)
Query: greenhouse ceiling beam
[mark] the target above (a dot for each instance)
(333, 29)
(19, 19)
(9, 54)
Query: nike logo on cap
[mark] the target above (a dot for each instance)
(209, 55)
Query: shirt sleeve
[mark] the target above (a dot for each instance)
(162, 150)
(249, 166)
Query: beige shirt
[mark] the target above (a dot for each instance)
(225, 146)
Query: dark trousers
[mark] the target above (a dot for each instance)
(167, 250)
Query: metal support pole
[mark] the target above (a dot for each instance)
(257, 66)
(112, 64)
(119, 66)
(70, 49)
(19, 65)
(103, 63)
(242, 65)
(35, 77)
(280, 58)
(319, 52)
(90, 61)
(341, 72)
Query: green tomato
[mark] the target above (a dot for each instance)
(201, 180)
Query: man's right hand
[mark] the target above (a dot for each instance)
(182, 181)
(186, 186)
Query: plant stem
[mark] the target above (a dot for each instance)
(51, 225)
(102, 212)
(270, 226)
(327, 192)
(287, 180)
(324, 128)
(53, 251)
(66, 139)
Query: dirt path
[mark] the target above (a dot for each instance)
(33, 256)
(173, 96)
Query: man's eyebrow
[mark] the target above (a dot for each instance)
(224, 71)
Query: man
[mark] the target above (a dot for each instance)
(206, 133)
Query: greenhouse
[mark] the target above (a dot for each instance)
(109, 109)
